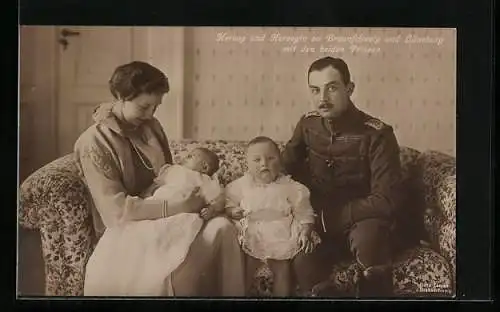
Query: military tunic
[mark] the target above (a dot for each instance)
(352, 167)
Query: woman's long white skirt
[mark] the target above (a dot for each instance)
(137, 258)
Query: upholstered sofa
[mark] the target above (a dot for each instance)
(54, 201)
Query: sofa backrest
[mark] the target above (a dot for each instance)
(232, 156)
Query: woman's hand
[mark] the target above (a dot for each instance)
(193, 203)
(208, 213)
(214, 208)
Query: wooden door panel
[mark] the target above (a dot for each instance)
(98, 53)
(86, 64)
(83, 115)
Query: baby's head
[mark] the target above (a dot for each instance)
(202, 160)
(263, 159)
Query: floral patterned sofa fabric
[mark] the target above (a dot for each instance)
(438, 176)
(55, 201)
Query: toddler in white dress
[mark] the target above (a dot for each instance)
(167, 240)
(274, 212)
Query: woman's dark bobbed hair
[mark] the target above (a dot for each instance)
(135, 78)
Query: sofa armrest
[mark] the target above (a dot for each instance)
(39, 189)
(438, 174)
(447, 230)
(55, 200)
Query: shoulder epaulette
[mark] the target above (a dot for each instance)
(375, 123)
(312, 114)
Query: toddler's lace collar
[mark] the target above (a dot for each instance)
(280, 179)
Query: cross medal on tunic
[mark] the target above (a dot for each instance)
(330, 162)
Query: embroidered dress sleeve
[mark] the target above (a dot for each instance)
(104, 180)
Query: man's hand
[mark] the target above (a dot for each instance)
(305, 239)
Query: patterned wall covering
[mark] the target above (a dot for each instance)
(240, 84)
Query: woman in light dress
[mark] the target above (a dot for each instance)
(119, 156)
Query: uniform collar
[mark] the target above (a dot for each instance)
(349, 119)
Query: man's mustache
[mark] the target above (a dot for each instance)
(325, 105)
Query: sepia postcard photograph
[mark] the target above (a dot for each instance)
(237, 162)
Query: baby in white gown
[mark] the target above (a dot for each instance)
(175, 182)
(167, 240)
(274, 212)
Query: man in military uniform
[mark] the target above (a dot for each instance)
(350, 162)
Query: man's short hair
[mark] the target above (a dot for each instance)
(337, 63)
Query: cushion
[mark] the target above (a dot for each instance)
(439, 178)
(409, 158)
(231, 154)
